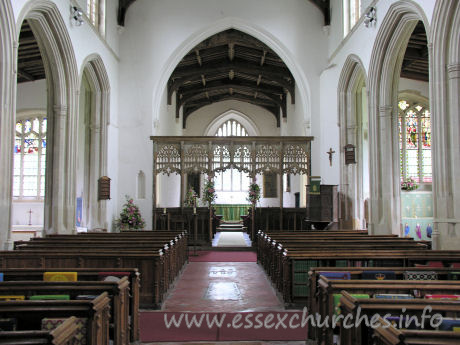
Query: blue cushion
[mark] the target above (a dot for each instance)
(378, 275)
(448, 324)
(1, 276)
(336, 275)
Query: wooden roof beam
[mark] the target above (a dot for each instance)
(23, 74)
(224, 66)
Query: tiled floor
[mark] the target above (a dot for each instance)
(222, 287)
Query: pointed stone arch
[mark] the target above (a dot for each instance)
(8, 47)
(350, 91)
(302, 86)
(445, 108)
(383, 79)
(96, 74)
(62, 84)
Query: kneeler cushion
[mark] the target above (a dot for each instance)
(448, 297)
(420, 275)
(60, 276)
(393, 296)
(448, 324)
(378, 275)
(12, 298)
(49, 297)
(103, 275)
(337, 310)
(1, 276)
(336, 275)
(48, 324)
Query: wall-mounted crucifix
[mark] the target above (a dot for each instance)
(330, 152)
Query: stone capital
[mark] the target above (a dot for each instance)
(385, 110)
(453, 71)
(60, 110)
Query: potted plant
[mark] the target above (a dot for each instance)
(253, 193)
(409, 184)
(130, 216)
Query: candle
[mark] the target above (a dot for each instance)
(194, 210)
(164, 210)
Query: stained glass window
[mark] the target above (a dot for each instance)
(414, 125)
(30, 158)
(231, 180)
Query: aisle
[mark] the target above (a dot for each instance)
(231, 239)
(219, 291)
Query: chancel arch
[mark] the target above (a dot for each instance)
(386, 65)
(354, 130)
(300, 94)
(60, 69)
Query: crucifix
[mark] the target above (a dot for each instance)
(330, 152)
(30, 216)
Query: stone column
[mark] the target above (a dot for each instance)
(447, 197)
(55, 207)
(385, 194)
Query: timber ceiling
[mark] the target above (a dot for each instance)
(415, 63)
(231, 65)
(30, 63)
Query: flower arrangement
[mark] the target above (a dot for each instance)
(130, 216)
(209, 192)
(409, 184)
(254, 193)
(190, 198)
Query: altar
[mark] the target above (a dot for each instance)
(231, 212)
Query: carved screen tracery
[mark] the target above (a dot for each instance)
(268, 158)
(242, 158)
(222, 158)
(295, 159)
(168, 159)
(253, 155)
(195, 158)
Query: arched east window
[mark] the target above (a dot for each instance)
(30, 158)
(231, 180)
(414, 122)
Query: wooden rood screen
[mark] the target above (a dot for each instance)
(208, 155)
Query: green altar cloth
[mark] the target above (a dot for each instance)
(231, 211)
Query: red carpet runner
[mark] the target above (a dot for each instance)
(218, 256)
(244, 326)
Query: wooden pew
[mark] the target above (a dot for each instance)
(117, 291)
(148, 264)
(165, 264)
(88, 274)
(64, 334)
(385, 334)
(96, 311)
(327, 289)
(369, 307)
(356, 272)
(299, 263)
